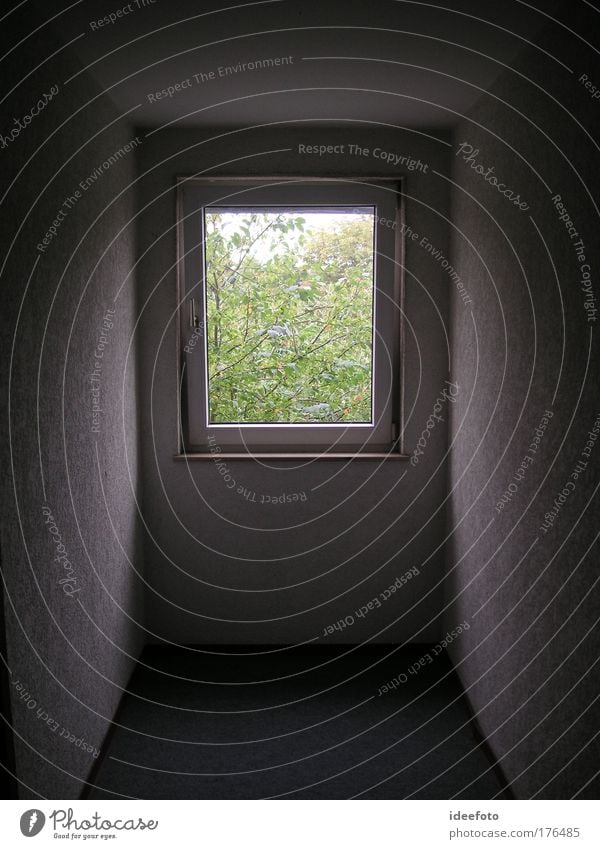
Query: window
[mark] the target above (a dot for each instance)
(290, 315)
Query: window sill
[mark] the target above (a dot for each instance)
(301, 455)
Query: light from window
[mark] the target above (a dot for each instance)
(289, 314)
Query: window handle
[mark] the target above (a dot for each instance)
(194, 319)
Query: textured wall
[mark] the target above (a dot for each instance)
(225, 569)
(67, 492)
(527, 346)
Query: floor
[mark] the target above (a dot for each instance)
(248, 723)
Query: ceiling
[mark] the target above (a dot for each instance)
(392, 61)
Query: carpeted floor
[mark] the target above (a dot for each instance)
(235, 723)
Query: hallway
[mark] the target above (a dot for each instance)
(300, 376)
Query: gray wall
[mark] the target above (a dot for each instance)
(530, 596)
(71, 645)
(222, 569)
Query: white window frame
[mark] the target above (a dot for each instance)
(198, 437)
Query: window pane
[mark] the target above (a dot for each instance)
(289, 314)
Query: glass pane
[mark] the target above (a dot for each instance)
(289, 314)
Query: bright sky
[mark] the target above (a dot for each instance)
(313, 221)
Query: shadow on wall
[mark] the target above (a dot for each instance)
(523, 467)
(70, 541)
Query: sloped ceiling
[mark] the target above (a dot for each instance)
(395, 61)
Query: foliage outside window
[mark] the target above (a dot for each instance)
(289, 315)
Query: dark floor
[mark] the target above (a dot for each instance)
(293, 723)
